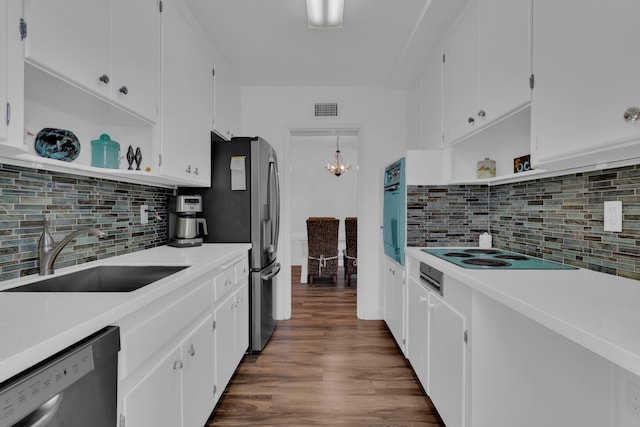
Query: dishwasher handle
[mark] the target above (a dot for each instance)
(45, 413)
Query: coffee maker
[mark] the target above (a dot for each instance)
(183, 223)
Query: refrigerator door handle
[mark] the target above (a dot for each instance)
(273, 180)
(274, 272)
(277, 184)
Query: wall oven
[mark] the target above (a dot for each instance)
(74, 388)
(394, 217)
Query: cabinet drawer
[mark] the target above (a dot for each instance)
(242, 269)
(224, 283)
(145, 339)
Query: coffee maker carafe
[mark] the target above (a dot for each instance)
(183, 223)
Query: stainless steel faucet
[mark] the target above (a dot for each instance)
(48, 251)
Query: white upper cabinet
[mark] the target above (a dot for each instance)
(135, 56)
(504, 56)
(487, 66)
(110, 48)
(11, 77)
(431, 130)
(187, 105)
(85, 36)
(226, 98)
(586, 77)
(461, 76)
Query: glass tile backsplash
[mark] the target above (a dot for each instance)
(72, 202)
(559, 218)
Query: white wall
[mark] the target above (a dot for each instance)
(379, 116)
(314, 191)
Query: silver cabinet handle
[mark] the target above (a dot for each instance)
(123, 90)
(482, 113)
(191, 351)
(471, 120)
(104, 79)
(188, 169)
(632, 114)
(196, 171)
(177, 365)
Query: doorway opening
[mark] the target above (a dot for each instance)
(315, 192)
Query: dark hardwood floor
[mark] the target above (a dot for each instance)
(324, 367)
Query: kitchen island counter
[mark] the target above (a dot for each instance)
(595, 310)
(36, 325)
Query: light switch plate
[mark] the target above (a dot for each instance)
(613, 216)
(144, 214)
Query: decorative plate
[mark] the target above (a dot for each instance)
(57, 144)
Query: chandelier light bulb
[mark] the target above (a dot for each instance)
(338, 167)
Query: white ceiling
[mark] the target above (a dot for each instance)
(383, 42)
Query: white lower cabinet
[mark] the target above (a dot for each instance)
(447, 361)
(231, 334)
(417, 331)
(394, 300)
(197, 361)
(185, 379)
(224, 316)
(438, 327)
(145, 406)
(179, 353)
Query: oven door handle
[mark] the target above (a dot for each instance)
(274, 272)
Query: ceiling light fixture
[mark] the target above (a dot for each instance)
(338, 167)
(325, 13)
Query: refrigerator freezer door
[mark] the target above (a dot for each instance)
(263, 321)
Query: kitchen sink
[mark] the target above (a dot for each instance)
(105, 278)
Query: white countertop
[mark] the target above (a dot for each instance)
(37, 325)
(598, 311)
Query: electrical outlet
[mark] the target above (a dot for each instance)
(144, 214)
(634, 398)
(613, 216)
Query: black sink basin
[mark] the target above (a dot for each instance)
(106, 278)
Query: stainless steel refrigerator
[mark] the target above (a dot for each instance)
(243, 206)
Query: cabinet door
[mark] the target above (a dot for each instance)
(394, 302)
(136, 56)
(417, 330)
(461, 76)
(187, 107)
(242, 320)
(447, 357)
(71, 38)
(4, 66)
(585, 78)
(504, 57)
(225, 342)
(198, 374)
(155, 400)
(221, 99)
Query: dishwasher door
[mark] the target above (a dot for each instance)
(74, 388)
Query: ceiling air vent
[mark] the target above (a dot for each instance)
(325, 109)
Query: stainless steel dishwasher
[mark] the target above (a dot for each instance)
(74, 388)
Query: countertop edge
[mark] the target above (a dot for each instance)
(603, 346)
(111, 313)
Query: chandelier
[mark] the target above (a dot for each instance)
(338, 167)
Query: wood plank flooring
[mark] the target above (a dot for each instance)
(324, 367)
